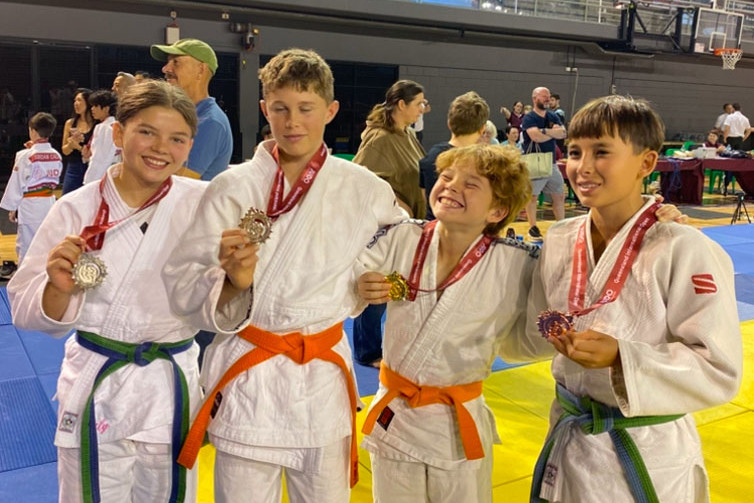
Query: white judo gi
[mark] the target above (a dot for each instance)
(679, 348)
(279, 412)
(36, 172)
(135, 403)
(104, 151)
(444, 342)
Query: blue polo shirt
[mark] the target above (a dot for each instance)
(213, 144)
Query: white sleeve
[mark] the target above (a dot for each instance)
(700, 363)
(14, 191)
(28, 283)
(193, 276)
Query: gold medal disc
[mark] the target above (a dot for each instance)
(89, 272)
(398, 286)
(257, 225)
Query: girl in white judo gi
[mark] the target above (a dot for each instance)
(129, 378)
(102, 152)
(36, 173)
(644, 316)
(430, 433)
(281, 395)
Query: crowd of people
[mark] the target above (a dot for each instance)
(274, 254)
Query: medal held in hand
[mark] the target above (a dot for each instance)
(398, 286)
(257, 225)
(89, 271)
(554, 323)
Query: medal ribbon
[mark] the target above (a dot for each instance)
(466, 263)
(277, 205)
(94, 234)
(619, 273)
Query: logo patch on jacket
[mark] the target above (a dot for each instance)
(385, 417)
(704, 283)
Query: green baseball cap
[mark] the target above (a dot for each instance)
(187, 47)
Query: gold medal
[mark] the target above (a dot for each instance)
(89, 271)
(398, 286)
(257, 225)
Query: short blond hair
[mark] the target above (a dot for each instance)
(303, 70)
(502, 166)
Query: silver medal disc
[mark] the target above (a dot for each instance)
(89, 272)
(257, 225)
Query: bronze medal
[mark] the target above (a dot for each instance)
(89, 271)
(257, 225)
(398, 286)
(554, 323)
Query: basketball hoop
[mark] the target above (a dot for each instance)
(730, 57)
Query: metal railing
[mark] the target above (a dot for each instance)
(655, 14)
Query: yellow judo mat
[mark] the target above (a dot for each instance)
(520, 398)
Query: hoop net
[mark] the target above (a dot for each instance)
(730, 57)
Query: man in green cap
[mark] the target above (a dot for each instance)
(190, 64)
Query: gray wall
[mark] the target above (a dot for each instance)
(688, 90)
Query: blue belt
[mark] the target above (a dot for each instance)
(594, 418)
(119, 354)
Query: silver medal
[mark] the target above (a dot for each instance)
(89, 271)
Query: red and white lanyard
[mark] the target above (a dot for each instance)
(94, 234)
(467, 262)
(277, 205)
(620, 271)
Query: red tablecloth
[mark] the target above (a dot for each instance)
(742, 169)
(681, 181)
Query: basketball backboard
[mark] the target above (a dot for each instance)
(717, 29)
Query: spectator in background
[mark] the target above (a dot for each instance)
(555, 107)
(514, 117)
(720, 121)
(713, 141)
(543, 127)
(122, 82)
(76, 134)
(141, 76)
(190, 65)
(735, 128)
(102, 152)
(390, 149)
(489, 135)
(513, 138)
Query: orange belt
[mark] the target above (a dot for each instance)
(296, 346)
(419, 396)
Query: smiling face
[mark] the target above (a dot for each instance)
(463, 198)
(297, 120)
(155, 144)
(182, 71)
(512, 135)
(607, 173)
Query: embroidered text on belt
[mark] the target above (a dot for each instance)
(119, 354)
(594, 418)
(418, 396)
(298, 347)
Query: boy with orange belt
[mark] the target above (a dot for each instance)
(285, 400)
(430, 433)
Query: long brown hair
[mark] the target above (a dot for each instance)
(382, 113)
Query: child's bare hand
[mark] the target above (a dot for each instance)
(669, 213)
(589, 349)
(374, 288)
(238, 258)
(60, 262)
(13, 216)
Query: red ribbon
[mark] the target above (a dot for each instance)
(94, 234)
(466, 263)
(620, 271)
(277, 205)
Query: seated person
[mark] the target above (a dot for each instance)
(713, 141)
